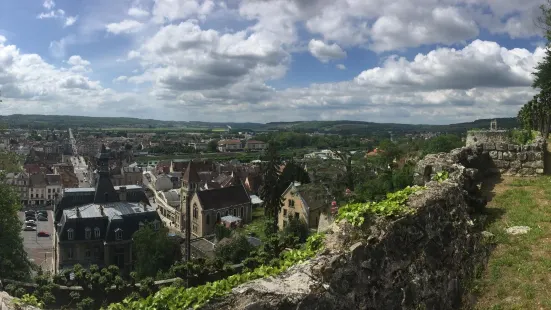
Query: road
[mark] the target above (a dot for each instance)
(40, 249)
(78, 162)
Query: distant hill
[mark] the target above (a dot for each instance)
(341, 127)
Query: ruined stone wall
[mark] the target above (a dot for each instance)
(420, 261)
(485, 136)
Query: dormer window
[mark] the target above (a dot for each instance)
(70, 234)
(118, 234)
(87, 233)
(97, 232)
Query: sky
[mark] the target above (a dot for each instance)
(401, 61)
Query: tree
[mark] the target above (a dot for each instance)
(221, 232)
(536, 114)
(292, 172)
(14, 263)
(233, 250)
(212, 146)
(154, 251)
(269, 192)
(297, 228)
(442, 143)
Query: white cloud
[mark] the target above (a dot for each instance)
(48, 4)
(76, 60)
(59, 48)
(137, 12)
(70, 21)
(171, 10)
(325, 52)
(341, 67)
(125, 26)
(121, 78)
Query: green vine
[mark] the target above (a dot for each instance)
(440, 176)
(395, 204)
(195, 297)
(27, 300)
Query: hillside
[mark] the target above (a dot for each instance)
(342, 127)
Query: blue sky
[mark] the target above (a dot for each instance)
(408, 61)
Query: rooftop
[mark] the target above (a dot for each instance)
(112, 210)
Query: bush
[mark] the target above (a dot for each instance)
(521, 136)
(233, 250)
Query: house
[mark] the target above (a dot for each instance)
(229, 145)
(43, 188)
(306, 202)
(20, 181)
(95, 225)
(254, 145)
(209, 206)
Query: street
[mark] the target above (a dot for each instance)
(39, 249)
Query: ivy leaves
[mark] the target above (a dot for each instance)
(395, 204)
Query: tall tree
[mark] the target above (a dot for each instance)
(269, 192)
(536, 114)
(14, 263)
(154, 251)
(293, 172)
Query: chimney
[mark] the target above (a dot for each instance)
(78, 212)
(122, 193)
(101, 210)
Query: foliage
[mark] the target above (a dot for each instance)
(28, 300)
(442, 143)
(440, 176)
(297, 228)
(292, 172)
(221, 232)
(393, 205)
(522, 136)
(154, 251)
(45, 287)
(233, 250)
(195, 297)
(536, 114)
(14, 263)
(212, 146)
(269, 192)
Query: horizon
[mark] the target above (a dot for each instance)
(409, 62)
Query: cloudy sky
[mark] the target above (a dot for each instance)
(407, 61)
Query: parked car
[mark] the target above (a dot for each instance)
(30, 221)
(29, 228)
(29, 213)
(30, 224)
(43, 234)
(42, 218)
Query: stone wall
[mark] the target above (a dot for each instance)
(420, 261)
(484, 136)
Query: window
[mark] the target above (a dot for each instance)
(69, 253)
(227, 213)
(234, 212)
(96, 252)
(118, 234)
(70, 234)
(296, 215)
(217, 217)
(208, 219)
(289, 202)
(88, 233)
(156, 224)
(49, 190)
(97, 232)
(242, 213)
(87, 253)
(284, 212)
(195, 212)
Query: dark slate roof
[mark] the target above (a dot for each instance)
(53, 179)
(119, 215)
(223, 197)
(37, 180)
(105, 192)
(191, 176)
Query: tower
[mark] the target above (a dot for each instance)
(493, 125)
(105, 191)
(190, 182)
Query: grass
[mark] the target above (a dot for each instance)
(518, 275)
(256, 226)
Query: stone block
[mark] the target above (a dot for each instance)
(538, 155)
(509, 156)
(512, 147)
(526, 148)
(489, 146)
(522, 156)
(502, 164)
(516, 164)
(500, 155)
(539, 171)
(527, 171)
(501, 147)
(493, 154)
(530, 156)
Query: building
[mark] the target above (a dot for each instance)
(254, 145)
(95, 225)
(229, 145)
(44, 189)
(209, 206)
(20, 181)
(306, 202)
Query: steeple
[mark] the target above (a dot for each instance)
(105, 191)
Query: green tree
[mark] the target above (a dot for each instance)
(233, 250)
(292, 172)
(212, 146)
(221, 232)
(154, 251)
(269, 192)
(442, 143)
(298, 229)
(536, 114)
(14, 263)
